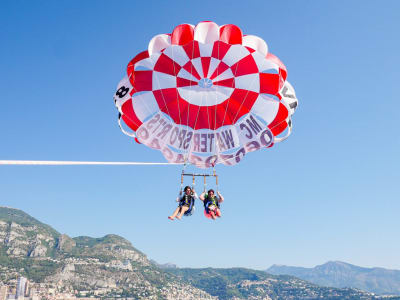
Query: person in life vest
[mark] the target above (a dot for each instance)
(211, 203)
(186, 203)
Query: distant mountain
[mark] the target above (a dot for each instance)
(339, 274)
(164, 266)
(110, 267)
(240, 283)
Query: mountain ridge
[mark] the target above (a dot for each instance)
(110, 267)
(341, 274)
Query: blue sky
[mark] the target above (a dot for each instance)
(329, 192)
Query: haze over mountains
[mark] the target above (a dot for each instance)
(341, 274)
(110, 267)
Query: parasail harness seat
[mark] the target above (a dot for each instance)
(191, 209)
(208, 202)
(183, 199)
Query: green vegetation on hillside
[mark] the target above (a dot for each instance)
(41, 254)
(35, 270)
(220, 282)
(9, 215)
(240, 283)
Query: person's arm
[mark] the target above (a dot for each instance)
(221, 198)
(202, 196)
(195, 196)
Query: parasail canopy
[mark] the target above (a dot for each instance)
(206, 94)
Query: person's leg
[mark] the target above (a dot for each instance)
(218, 213)
(212, 214)
(174, 214)
(183, 210)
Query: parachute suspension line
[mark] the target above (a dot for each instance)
(131, 134)
(119, 107)
(208, 118)
(183, 174)
(216, 181)
(185, 156)
(190, 143)
(205, 184)
(181, 189)
(216, 142)
(188, 109)
(280, 139)
(244, 98)
(288, 120)
(208, 115)
(162, 95)
(227, 103)
(214, 124)
(225, 113)
(145, 105)
(176, 90)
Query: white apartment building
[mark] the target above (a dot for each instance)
(22, 284)
(3, 292)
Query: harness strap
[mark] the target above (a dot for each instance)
(181, 189)
(208, 202)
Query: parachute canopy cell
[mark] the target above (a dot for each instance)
(206, 94)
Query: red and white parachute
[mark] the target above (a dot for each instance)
(206, 94)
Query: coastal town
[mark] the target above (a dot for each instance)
(23, 289)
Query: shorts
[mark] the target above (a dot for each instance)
(212, 208)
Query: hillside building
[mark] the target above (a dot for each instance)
(3, 292)
(22, 285)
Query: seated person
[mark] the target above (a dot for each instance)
(211, 203)
(186, 202)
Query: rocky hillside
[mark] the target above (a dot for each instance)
(110, 267)
(24, 236)
(340, 274)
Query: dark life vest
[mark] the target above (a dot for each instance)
(186, 200)
(210, 201)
